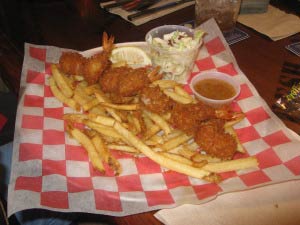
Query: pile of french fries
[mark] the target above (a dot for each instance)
(109, 126)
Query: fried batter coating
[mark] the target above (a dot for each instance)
(134, 82)
(155, 100)
(187, 117)
(95, 66)
(125, 81)
(109, 81)
(211, 137)
(71, 63)
(117, 99)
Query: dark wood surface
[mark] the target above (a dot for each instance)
(79, 24)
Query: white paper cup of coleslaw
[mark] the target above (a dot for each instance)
(175, 56)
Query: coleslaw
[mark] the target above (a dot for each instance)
(175, 51)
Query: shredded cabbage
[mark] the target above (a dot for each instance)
(175, 53)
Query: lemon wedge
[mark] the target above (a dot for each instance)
(131, 56)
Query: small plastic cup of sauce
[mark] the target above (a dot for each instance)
(214, 88)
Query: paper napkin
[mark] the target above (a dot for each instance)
(275, 24)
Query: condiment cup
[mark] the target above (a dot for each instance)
(219, 76)
(175, 64)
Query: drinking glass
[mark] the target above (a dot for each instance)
(225, 12)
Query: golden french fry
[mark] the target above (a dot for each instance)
(131, 125)
(159, 139)
(120, 106)
(184, 160)
(177, 158)
(156, 139)
(150, 128)
(148, 122)
(180, 91)
(70, 82)
(90, 104)
(79, 99)
(178, 98)
(196, 156)
(137, 124)
(90, 133)
(175, 141)
(165, 84)
(114, 114)
(89, 146)
(158, 158)
(173, 134)
(192, 146)
(104, 130)
(123, 148)
(61, 97)
(100, 95)
(157, 119)
(75, 117)
(89, 90)
(101, 148)
(151, 143)
(98, 110)
(105, 154)
(104, 120)
(80, 96)
(151, 131)
(102, 98)
(200, 157)
(231, 165)
(62, 84)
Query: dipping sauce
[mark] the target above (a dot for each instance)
(215, 89)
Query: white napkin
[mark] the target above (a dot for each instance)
(275, 23)
(277, 204)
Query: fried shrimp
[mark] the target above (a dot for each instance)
(212, 139)
(73, 63)
(126, 81)
(96, 64)
(134, 82)
(187, 117)
(155, 100)
(206, 125)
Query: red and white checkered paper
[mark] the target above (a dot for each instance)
(52, 171)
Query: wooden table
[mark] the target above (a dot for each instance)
(79, 25)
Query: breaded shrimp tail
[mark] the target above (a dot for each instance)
(98, 63)
(107, 43)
